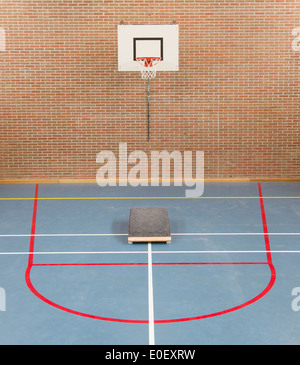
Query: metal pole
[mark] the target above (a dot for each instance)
(148, 103)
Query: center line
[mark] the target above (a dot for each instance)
(150, 298)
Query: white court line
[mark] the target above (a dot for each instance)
(236, 234)
(64, 234)
(142, 252)
(173, 234)
(70, 252)
(150, 298)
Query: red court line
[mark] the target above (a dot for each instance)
(265, 227)
(155, 263)
(259, 296)
(33, 224)
(95, 264)
(40, 296)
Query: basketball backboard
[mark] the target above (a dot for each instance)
(148, 41)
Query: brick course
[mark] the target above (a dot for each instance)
(236, 96)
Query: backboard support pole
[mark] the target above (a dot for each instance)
(148, 104)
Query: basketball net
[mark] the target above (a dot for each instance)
(148, 63)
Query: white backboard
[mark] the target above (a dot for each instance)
(146, 41)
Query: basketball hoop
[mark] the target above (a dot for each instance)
(148, 63)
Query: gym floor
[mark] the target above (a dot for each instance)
(230, 275)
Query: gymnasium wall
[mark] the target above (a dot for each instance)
(236, 95)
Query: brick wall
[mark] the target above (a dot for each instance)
(236, 96)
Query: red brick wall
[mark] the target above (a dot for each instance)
(236, 96)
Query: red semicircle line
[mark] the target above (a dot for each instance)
(259, 296)
(44, 299)
(41, 297)
(232, 309)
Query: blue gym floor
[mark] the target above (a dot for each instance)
(69, 276)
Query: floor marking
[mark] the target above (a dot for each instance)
(230, 251)
(150, 298)
(33, 226)
(99, 264)
(152, 197)
(65, 235)
(235, 234)
(144, 252)
(72, 252)
(173, 234)
(150, 278)
(154, 263)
